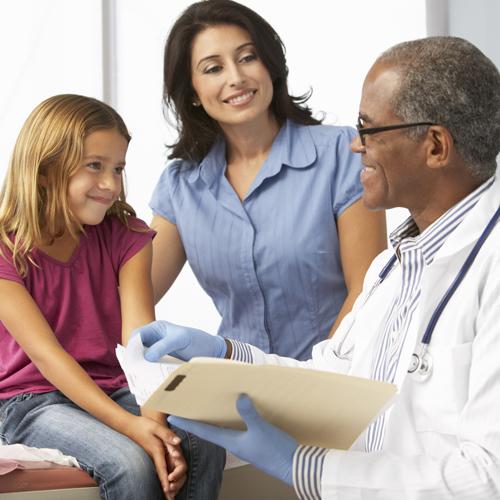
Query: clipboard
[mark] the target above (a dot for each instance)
(317, 408)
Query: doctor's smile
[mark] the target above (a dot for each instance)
(366, 173)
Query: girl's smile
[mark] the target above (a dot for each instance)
(97, 183)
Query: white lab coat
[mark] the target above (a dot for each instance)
(443, 434)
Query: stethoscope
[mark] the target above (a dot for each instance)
(421, 360)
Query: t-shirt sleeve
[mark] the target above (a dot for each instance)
(166, 189)
(347, 187)
(7, 269)
(127, 241)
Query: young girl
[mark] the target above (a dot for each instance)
(75, 281)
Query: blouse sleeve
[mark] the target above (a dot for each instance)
(346, 188)
(165, 192)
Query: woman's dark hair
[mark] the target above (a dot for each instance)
(197, 130)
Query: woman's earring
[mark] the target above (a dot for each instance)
(196, 103)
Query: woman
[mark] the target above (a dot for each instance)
(253, 178)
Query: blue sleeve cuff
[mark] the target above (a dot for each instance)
(307, 470)
(241, 351)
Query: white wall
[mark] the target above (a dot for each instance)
(46, 48)
(484, 32)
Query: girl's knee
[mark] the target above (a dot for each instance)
(135, 464)
(128, 474)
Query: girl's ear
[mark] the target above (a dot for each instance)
(42, 180)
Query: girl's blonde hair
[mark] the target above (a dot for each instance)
(50, 144)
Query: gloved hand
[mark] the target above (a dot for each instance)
(263, 445)
(181, 342)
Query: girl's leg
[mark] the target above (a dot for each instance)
(205, 460)
(122, 469)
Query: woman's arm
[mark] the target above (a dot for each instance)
(168, 256)
(362, 236)
(136, 299)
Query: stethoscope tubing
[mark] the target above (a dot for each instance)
(421, 360)
(456, 282)
(459, 277)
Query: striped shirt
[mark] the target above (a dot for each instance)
(415, 251)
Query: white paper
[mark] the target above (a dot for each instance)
(24, 453)
(143, 377)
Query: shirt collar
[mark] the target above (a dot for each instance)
(293, 147)
(214, 160)
(433, 238)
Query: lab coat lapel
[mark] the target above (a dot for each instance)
(473, 224)
(439, 275)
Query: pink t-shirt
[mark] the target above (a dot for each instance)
(80, 301)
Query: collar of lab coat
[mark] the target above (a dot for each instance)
(472, 226)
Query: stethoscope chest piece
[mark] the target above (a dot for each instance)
(421, 365)
(425, 369)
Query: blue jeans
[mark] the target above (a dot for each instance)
(121, 467)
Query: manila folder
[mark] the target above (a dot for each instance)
(316, 407)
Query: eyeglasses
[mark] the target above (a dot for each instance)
(375, 130)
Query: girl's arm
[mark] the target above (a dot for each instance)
(362, 236)
(23, 319)
(136, 299)
(168, 256)
(21, 316)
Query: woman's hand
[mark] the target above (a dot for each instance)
(163, 446)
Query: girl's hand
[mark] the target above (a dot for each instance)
(163, 446)
(177, 467)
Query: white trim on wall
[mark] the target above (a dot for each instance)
(437, 17)
(109, 53)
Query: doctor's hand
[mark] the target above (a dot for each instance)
(262, 444)
(162, 337)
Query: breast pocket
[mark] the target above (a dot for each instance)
(439, 399)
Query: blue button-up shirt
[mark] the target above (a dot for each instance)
(271, 262)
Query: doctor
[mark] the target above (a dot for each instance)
(429, 133)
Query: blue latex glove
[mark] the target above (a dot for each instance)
(181, 342)
(262, 444)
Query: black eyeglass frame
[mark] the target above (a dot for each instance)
(362, 131)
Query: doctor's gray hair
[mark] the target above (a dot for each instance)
(448, 81)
